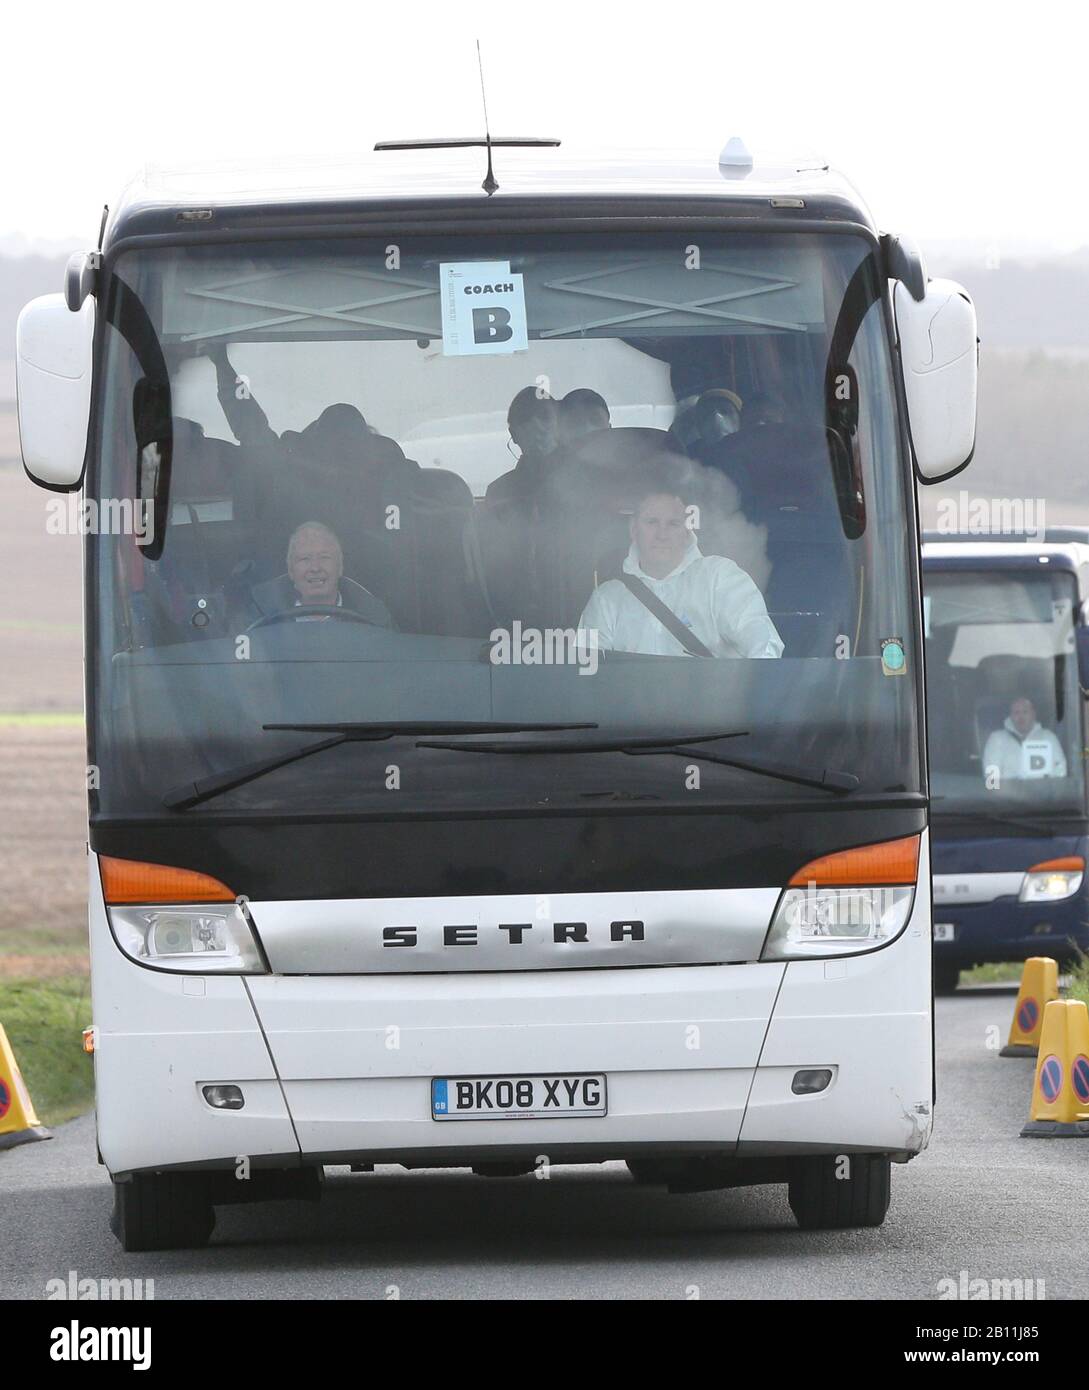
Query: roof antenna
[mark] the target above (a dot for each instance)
(490, 184)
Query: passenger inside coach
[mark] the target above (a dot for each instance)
(582, 412)
(534, 425)
(401, 525)
(763, 408)
(714, 416)
(548, 531)
(248, 421)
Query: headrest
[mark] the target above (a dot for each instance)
(778, 466)
(344, 447)
(203, 464)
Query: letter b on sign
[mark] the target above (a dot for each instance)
(491, 326)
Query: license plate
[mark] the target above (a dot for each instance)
(944, 931)
(518, 1097)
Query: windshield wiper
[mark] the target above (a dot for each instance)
(825, 779)
(409, 728)
(651, 744)
(190, 794)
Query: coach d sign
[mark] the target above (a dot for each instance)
(483, 309)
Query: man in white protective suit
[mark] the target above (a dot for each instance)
(1023, 747)
(671, 599)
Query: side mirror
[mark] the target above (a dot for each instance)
(939, 354)
(54, 350)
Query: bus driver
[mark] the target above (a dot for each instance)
(1023, 747)
(315, 579)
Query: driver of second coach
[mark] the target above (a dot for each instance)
(315, 579)
(706, 597)
(1023, 747)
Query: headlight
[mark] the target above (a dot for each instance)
(206, 939)
(844, 903)
(816, 921)
(178, 919)
(1052, 880)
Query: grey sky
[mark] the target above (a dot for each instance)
(956, 120)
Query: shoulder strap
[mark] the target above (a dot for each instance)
(666, 616)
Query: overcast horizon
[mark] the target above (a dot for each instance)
(944, 147)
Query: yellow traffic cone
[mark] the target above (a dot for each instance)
(18, 1122)
(1060, 1094)
(1039, 985)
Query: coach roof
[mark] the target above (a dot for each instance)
(312, 194)
(1004, 552)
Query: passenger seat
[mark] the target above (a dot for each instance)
(783, 474)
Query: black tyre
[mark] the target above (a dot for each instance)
(946, 977)
(653, 1172)
(163, 1211)
(841, 1190)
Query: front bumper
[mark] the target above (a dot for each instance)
(337, 1069)
(1009, 930)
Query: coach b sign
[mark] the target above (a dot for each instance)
(483, 309)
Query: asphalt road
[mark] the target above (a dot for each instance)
(979, 1200)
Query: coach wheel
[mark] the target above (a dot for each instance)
(841, 1190)
(655, 1172)
(163, 1211)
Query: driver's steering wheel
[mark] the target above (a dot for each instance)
(308, 610)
